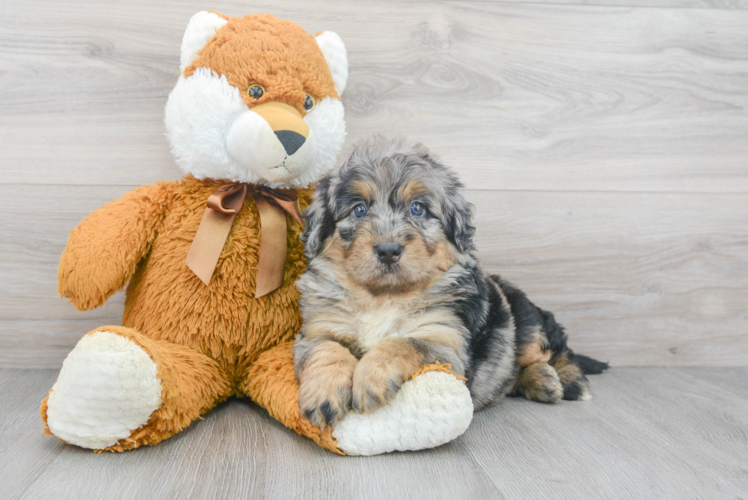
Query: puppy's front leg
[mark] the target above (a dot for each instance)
(381, 371)
(325, 372)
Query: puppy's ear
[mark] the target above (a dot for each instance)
(458, 220)
(457, 212)
(319, 222)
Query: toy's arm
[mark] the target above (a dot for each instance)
(103, 251)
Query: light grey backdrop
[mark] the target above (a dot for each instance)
(604, 144)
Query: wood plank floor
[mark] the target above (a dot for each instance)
(647, 433)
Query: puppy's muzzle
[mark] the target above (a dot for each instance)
(388, 252)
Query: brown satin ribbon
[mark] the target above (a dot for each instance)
(222, 207)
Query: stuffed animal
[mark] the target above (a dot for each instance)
(211, 308)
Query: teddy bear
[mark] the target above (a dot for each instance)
(210, 261)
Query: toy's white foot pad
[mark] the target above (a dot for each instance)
(108, 387)
(428, 411)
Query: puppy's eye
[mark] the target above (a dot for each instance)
(256, 91)
(359, 210)
(417, 208)
(308, 103)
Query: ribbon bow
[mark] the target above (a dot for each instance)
(222, 207)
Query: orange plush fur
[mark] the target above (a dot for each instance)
(205, 340)
(301, 70)
(207, 344)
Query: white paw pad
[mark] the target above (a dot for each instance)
(428, 411)
(108, 387)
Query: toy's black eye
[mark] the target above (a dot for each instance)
(256, 91)
(359, 210)
(308, 103)
(416, 208)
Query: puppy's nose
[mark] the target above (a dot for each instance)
(290, 140)
(389, 252)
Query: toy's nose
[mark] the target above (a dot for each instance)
(290, 140)
(389, 252)
(286, 122)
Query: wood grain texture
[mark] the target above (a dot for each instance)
(637, 278)
(647, 433)
(604, 143)
(667, 4)
(516, 96)
(37, 327)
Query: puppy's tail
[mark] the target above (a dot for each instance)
(589, 365)
(557, 339)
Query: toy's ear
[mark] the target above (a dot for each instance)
(200, 29)
(336, 56)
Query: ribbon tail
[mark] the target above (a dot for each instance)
(272, 261)
(292, 207)
(208, 243)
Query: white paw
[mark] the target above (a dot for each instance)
(428, 411)
(108, 387)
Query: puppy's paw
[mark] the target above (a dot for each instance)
(373, 388)
(577, 390)
(540, 382)
(382, 371)
(576, 386)
(325, 382)
(322, 402)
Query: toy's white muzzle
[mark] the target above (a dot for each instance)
(273, 141)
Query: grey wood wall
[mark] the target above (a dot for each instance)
(604, 143)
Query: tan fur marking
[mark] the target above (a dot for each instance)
(539, 382)
(326, 378)
(444, 256)
(534, 352)
(419, 267)
(567, 372)
(381, 371)
(333, 249)
(331, 323)
(363, 319)
(365, 189)
(438, 326)
(412, 189)
(570, 373)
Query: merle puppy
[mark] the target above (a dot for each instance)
(393, 284)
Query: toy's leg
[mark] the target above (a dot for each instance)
(271, 383)
(431, 409)
(118, 390)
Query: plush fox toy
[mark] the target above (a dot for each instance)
(211, 260)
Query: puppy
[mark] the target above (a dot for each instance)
(393, 284)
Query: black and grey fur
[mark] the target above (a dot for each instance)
(433, 303)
